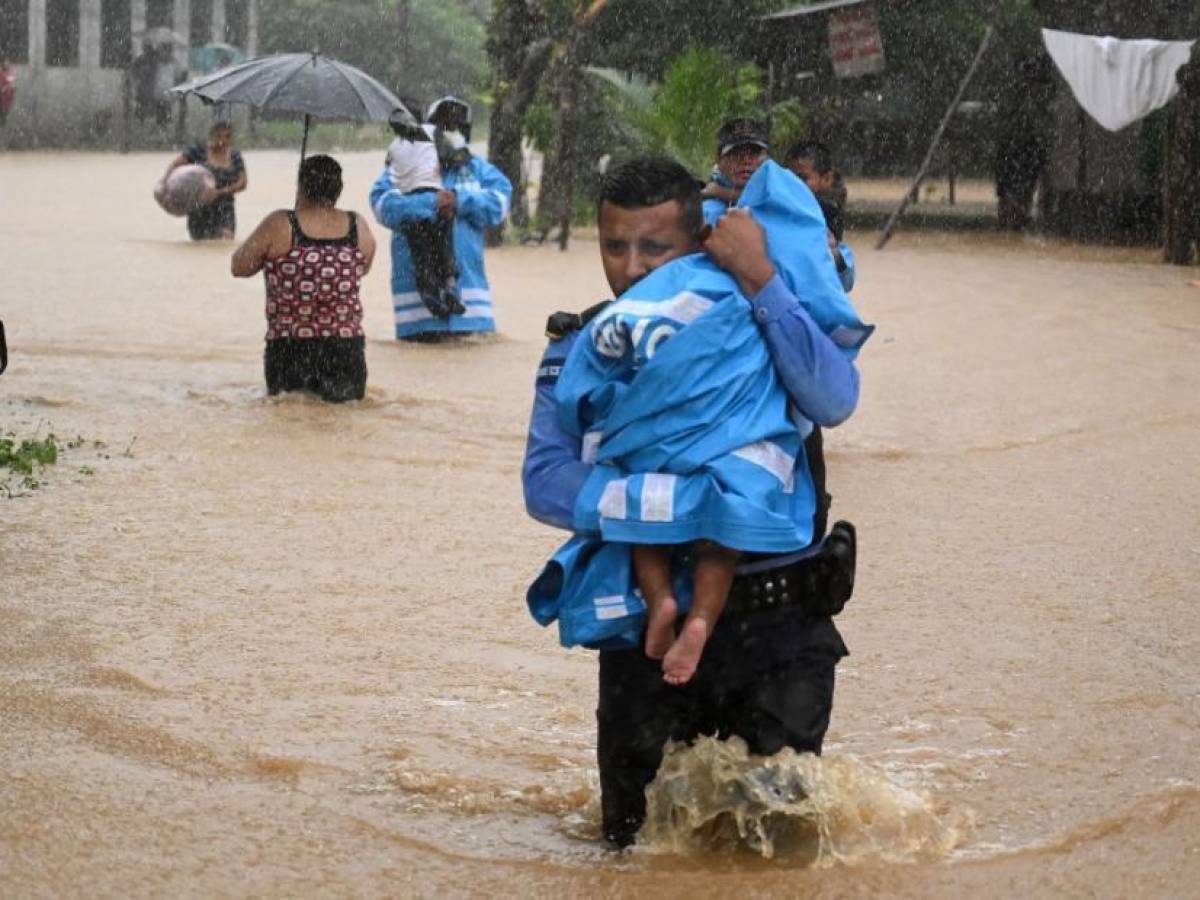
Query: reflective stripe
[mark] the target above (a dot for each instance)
(612, 501)
(685, 307)
(591, 443)
(412, 298)
(610, 607)
(408, 308)
(773, 458)
(658, 498)
(421, 314)
(500, 196)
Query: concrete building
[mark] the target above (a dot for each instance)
(82, 66)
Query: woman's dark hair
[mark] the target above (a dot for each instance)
(651, 180)
(220, 126)
(321, 179)
(815, 151)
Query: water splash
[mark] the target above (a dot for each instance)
(818, 811)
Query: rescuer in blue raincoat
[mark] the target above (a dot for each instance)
(674, 392)
(767, 674)
(477, 195)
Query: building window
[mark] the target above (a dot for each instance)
(201, 28)
(14, 30)
(114, 34)
(62, 33)
(160, 14)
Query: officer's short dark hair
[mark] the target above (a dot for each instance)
(814, 151)
(650, 180)
(321, 179)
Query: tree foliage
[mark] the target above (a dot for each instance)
(701, 88)
(422, 49)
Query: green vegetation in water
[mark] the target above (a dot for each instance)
(23, 460)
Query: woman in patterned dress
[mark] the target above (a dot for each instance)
(313, 259)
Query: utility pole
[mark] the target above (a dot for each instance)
(911, 196)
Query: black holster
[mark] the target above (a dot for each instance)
(820, 584)
(838, 560)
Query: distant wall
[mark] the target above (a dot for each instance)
(57, 106)
(71, 58)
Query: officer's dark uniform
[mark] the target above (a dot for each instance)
(767, 673)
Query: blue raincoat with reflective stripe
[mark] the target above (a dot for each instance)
(674, 395)
(484, 195)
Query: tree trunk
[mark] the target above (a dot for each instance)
(1182, 189)
(564, 157)
(404, 50)
(564, 161)
(508, 119)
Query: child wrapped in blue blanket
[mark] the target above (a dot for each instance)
(675, 399)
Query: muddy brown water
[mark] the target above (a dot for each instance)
(277, 648)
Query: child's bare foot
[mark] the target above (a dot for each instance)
(679, 665)
(660, 627)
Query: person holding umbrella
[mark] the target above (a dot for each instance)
(313, 259)
(476, 197)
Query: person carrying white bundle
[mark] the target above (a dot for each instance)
(415, 167)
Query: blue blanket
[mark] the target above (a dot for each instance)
(674, 397)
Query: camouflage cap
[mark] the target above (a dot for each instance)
(741, 133)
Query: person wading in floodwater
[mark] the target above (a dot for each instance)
(313, 259)
(475, 198)
(218, 219)
(767, 673)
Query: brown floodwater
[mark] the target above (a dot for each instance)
(255, 646)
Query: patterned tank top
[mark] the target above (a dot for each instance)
(312, 290)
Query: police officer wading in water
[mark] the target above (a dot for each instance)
(767, 673)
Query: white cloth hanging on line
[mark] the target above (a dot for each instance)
(1117, 81)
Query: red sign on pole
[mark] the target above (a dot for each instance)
(854, 42)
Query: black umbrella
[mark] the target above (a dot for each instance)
(303, 83)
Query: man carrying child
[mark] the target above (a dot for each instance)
(766, 672)
(439, 220)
